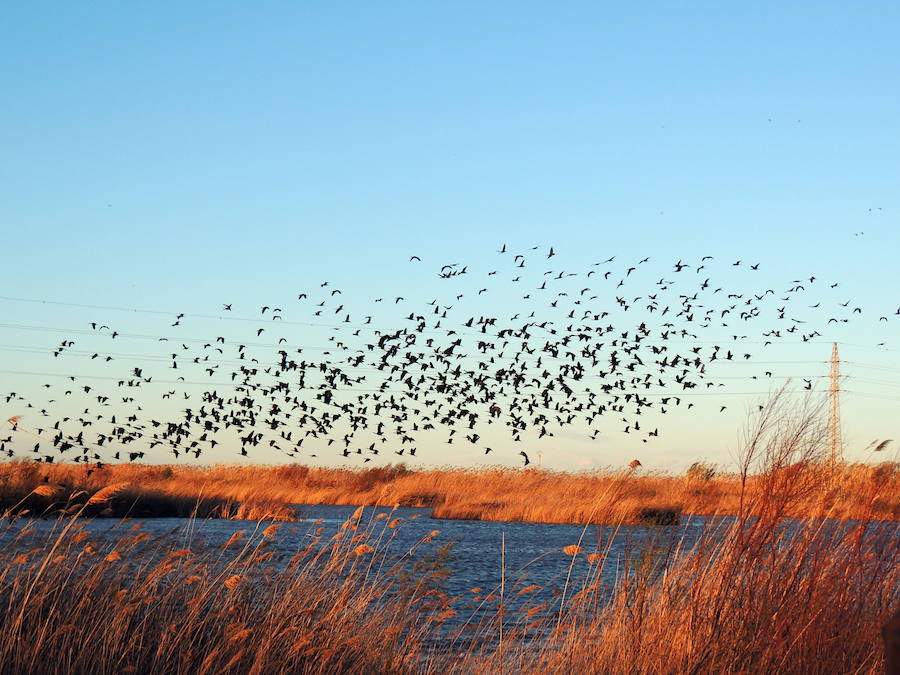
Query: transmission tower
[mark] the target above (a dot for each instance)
(837, 449)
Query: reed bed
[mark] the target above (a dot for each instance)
(19, 497)
(755, 598)
(73, 602)
(846, 491)
(762, 592)
(766, 593)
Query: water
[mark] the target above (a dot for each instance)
(482, 553)
(530, 553)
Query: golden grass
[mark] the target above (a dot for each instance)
(76, 603)
(761, 593)
(765, 594)
(848, 491)
(69, 491)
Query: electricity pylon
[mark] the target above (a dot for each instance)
(837, 445)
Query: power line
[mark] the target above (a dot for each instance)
(134, 336)
(884, 383)
(135, 310)
(278, 345)
(867, 395)
(872, 365)
(167, 358)
(219, 317)
(351, 388)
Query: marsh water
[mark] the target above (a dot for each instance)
(472, 558)
(481, 553)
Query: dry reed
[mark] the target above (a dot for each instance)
(761, 593)
(784, 586)
(847, 491)
(146, 605)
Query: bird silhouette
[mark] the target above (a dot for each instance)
(562, 360)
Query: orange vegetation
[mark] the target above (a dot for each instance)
(848, 491)
(149, 605)
(750, 597)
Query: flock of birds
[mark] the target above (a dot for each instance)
(577, 348)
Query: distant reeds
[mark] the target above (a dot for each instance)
(122, 498)
(847, 491)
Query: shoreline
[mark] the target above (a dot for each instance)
(851, 492)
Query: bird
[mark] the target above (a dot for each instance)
(405, 379)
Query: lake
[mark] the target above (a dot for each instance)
(532, 553)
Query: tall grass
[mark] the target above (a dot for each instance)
(614, 496)
(781, 587)
(74, 603)
(766, 594)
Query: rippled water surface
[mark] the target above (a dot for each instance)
(481, 552)
(530, 553)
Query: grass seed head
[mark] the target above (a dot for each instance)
(47, 491)
(233, 582)
(103, 495)
(234, 538)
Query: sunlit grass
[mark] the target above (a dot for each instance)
(846, 491)
(74, 602)
(758, 593)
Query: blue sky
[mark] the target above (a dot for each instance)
(181, 155)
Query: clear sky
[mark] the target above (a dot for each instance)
(176, 156)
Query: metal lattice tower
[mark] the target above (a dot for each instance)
(837, 445)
